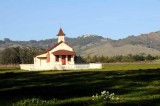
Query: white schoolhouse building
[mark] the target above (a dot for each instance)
(59, 56)
(60, 53)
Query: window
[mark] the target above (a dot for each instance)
(57, 58)
(69, 57)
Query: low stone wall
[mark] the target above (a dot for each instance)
(32, 67)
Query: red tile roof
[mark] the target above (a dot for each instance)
(60, 33)
(63, 52)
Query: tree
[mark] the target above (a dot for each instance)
(17, 55)
(79, 59)
(10, 56)
(95, 59)
(149, 57)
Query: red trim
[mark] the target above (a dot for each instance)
(63, 52)
(48, 58)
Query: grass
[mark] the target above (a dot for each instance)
(130, 66)
(135, 86)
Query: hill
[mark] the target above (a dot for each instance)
(97, 45)
(142, 44)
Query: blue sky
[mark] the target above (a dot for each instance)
(41, 19)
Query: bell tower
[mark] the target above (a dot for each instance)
(61, 36)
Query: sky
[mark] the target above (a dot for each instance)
(42, 19)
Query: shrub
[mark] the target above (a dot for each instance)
(34, 102)
(104, 96)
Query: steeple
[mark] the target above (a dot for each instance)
(60, 35)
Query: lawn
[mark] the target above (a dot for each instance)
(75, 88)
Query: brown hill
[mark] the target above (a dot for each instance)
(97, 45)
(109, 50)
(142, 44)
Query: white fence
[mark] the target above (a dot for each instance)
(32, 67)
(85, 66)
(27, 66)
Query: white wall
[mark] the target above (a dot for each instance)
(32, 67)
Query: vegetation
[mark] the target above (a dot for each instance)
(130, 66)
(76, 88)
(17, 55)
(82, 41)
(120, 58)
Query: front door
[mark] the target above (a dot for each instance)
(63, 60)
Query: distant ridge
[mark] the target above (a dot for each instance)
(97, 45)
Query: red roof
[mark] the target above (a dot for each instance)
(60, 33)
(52, 47)
(63, 52)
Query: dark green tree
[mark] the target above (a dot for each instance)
(149, 57)
(17, 55)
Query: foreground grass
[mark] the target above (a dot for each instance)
(75, 88)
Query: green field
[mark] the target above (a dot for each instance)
(133, 84)
(130, 66)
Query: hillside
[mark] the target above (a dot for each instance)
(109, 50)
(142, 44)
(97, 45)
(151, 40)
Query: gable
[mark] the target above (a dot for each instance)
(52, 47)
(62, 46)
